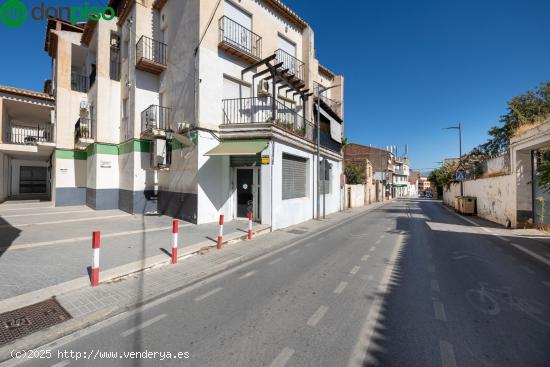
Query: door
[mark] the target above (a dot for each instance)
(245, 196)
(32, 180)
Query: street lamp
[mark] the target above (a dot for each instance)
(320, 90)
(459, 128)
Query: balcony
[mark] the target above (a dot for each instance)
(83, 133)
(155, 120)
(79, 83)
(29, 134)
(266, 110)
(151, 55)
(239, 41)
(294, 66)
(326, 141)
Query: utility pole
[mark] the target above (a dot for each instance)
(459, 128)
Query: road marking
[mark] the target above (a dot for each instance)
(340, 287)
(365, 258)
(431, 268)
(317, 316)
(528, 269)
(64, 221)
(546, 284)
(434, 284)
(372, 248)
(531, 253)
(282, 358)
(62, 363)
(382, 236)
(49, 213)
(447, 354)
(377, 242)
(142, 325)
(359, 356)
(439, 311)
(275, 261)
(207, 294)
(294, 252)
(503, 238)
(249, 274)
(354, 270)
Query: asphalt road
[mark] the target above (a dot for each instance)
(444, 293)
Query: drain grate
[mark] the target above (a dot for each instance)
(26, 320)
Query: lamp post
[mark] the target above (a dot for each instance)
(459, 128)
(320, 90)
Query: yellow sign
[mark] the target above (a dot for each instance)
(265, 159)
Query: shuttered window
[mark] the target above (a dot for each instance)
(294, 177)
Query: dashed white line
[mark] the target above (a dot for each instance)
(377, 242)
(354, 270)
(439, 311)
(365, 258)
(382, 236)
(447, 354)
(372, 248)
(504, 239)
(294, 251)
(207, 294)
(249, 274)
(142, 325)
(282, 358)
(275, 261)
(434, 284)
(317, 316)
(340, 287)
(62, 363)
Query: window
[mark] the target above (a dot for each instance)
(294, 177)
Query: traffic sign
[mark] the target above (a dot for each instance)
(460, 174)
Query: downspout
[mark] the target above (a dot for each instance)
(271, 179)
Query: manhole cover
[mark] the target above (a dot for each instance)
(26, 320)
(296, 231)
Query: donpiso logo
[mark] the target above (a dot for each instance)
(13, 13)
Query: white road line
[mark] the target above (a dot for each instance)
(142, 325)
(354, 270)
(48, 213)
(62, 363)
(528, 269)
(439, 311)
(377, 242)
(282, 358)
(275, 261)
(431, 268)
(294, 251)
(340, 287)
(504, 238)
(365, 258)
(64, 221)
(317, 316)
(207, 294)
(531, 253)
(359, 356)
(434, 284)
(372, 248)
(447, 354)
(249, 274)
(382, 236)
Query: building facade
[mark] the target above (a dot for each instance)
(195, 109)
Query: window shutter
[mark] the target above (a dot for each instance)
(294, 177)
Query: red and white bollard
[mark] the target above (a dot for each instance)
(250, 225)
(95, 261)
(220, 235)
(175, 229)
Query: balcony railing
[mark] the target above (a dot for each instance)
(79, 83)
(30, 135)
(156, 117)
(83, 129)
(295, 67)
(266, 110)
(151, 55)
(239, 39)
(326, 141)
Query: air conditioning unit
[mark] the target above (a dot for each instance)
(263, 88)
(159, 154)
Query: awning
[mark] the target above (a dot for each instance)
(239, 147)
(335, 126)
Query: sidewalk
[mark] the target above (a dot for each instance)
(89, 305)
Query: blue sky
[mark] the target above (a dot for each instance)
(411, 67)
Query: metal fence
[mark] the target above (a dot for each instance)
(240, 37)
(83, 129)
(152, 50)
(294, 66)
(29, 135)
(156, 117)
(79, 83)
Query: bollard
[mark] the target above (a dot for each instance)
(95, 261)
(250, 225)
(175, 229)
(220, 235)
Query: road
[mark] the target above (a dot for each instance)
(407, 284)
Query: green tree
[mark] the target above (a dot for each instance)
(355, 173)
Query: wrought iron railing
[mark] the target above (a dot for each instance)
(30, 135)
(295, 67)
(326, 141)
(240, 37)
(156, 117)
(266, 110)
(83, 129)
(151, 50)
(79, 83)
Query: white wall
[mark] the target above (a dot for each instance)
(4, 180)
(355, 196)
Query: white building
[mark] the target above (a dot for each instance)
(400, 177)
(162, 110)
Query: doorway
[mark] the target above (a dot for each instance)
(33, 180)
(247, 192)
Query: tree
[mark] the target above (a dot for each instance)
(355, 173)
(443, 176)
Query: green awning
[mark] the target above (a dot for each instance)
(239, 147)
